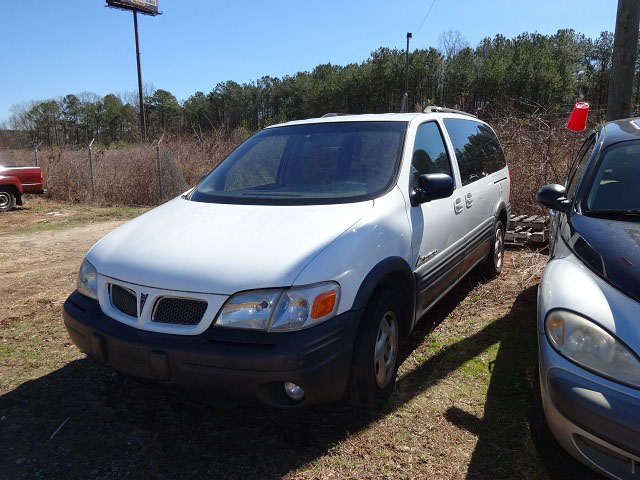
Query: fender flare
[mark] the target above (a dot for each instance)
(11, 181)
(390, 265)
(502, 206)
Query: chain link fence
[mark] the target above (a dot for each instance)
(137, 174)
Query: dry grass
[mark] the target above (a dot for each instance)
(127, 175)
(539, 150)
(460, 408)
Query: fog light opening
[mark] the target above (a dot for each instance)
(293, 391)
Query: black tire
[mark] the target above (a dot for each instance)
(369, 386)
(7, 201)
(492, 266)
(538, 426)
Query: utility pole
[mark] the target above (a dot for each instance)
(625, 47)
(406, 71)
(405, 97)
(143, 124)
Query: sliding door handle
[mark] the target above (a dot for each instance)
(457, 205)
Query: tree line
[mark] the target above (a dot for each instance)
(500, 74)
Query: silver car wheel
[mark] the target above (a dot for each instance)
(386, 352)
(5, 199)
(498, 249)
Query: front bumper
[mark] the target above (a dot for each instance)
(223, 364)
(594, 419)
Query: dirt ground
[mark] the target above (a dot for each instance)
(460, 408)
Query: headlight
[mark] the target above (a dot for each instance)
(251, 309)
(88, 280)
(592, 347)
(281, 310)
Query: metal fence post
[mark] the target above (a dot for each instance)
(159, 170)
(91, 168)
(35, 152)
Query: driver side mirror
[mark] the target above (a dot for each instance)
(432, 186)
(553, 196)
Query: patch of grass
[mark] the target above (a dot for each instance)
(38, 218)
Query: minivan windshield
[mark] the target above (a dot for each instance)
(334, 162)
(614, 186)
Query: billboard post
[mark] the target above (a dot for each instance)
(143, 123)
(146, 7)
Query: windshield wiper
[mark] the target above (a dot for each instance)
(269, 194)
(611, 212)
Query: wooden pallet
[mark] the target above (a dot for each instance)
(527, 230)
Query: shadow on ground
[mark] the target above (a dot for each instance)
(119, 428)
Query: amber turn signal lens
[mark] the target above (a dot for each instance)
(323, 304)
(555, 327)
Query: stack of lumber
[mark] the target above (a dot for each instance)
(528, 230)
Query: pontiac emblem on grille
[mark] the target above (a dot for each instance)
(143, 299)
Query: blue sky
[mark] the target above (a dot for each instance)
(51, 48)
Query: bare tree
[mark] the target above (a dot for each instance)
(451, 42)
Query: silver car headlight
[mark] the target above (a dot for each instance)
(88, 280)
(590, 346)
(281, 310)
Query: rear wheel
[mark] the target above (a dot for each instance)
(492, 266)
(375, 356)
(7, 201)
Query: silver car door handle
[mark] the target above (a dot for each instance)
(457, 205)
(469, 198)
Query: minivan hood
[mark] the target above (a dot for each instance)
(221, 248)
(611, 248)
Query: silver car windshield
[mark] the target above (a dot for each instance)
(615, 183)
(332, 162)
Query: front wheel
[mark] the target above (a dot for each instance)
(7, 201)
(538, 426)
(375, 357)
(492, 266)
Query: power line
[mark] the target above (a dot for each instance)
(425, 17)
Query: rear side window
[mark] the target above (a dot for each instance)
(429, 153)
(494, 156)
(477, 149)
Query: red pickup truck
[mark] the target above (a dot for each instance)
(16, 181)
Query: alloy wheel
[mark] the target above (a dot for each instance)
(386, 352)
(498, 249)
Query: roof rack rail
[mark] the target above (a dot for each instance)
(334, 115)
(435, 109)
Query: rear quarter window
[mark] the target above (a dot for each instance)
(477, 149)
(494, 156)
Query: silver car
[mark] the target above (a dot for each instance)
(588, 306)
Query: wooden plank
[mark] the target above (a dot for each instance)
(540, 237)
(527, 230)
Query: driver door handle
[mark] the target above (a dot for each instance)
(469, 198)
(457, 205)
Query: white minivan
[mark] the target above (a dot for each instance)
(289, 275)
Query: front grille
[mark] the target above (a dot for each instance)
(124, 300)
(179, 311)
